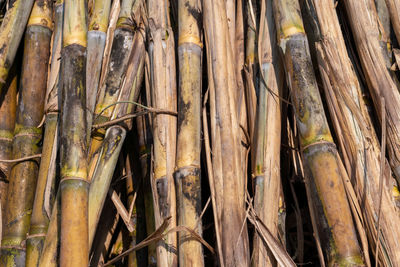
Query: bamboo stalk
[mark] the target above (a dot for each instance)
(188, 172)
(7, 122)
(11, 31)
(230, 211)
(355, 131)
(163, 95)
(117, 66)
(44, 195)
(322, 166)
(74, 184)
(267, 139)
(27, 136)
(96, 42)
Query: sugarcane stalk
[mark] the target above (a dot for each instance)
(7, 122)
(44, 195)
(26, 135)
(96, 42)
(11, 31)
(322, 166)
(230, 210)
(117, 66)
(163, 96)
(355, 131)
(74, 184)
(267, 139)
(188, 171)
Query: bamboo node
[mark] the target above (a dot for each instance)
(74, 178)
(35, 235)
(190, 38)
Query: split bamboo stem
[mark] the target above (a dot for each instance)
(267, 139)
(11, 31)
(163, 95)
(23, 178)
(188, 171)
(96, 42)
(230, 210)
(74, 184)
(356, 135)
(393, 7)
(364, 23)
(335, 225)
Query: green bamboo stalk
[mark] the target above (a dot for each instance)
(117, 66)
(188, 171)
(163, 95)
(320, 156)
(11, 31)
(27, 136)
(7, 122)
(44, 195)
(96, 42)
(267, 139)
(230, 209)
(74, 184)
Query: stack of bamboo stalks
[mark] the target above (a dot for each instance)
(199, 133)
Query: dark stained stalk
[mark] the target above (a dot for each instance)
(322, 165)
(26, 135)
(117, 67)
(187, 174)
(7, 122)
(11, 31)
(44, 195)
(74, 185)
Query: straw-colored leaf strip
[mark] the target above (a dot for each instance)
(318, 150)
(26, 135)
(367, 37)
(267, 138)
(225, 135)
(188, 170)
(393, 7)
(11, 31)
(163, 95)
